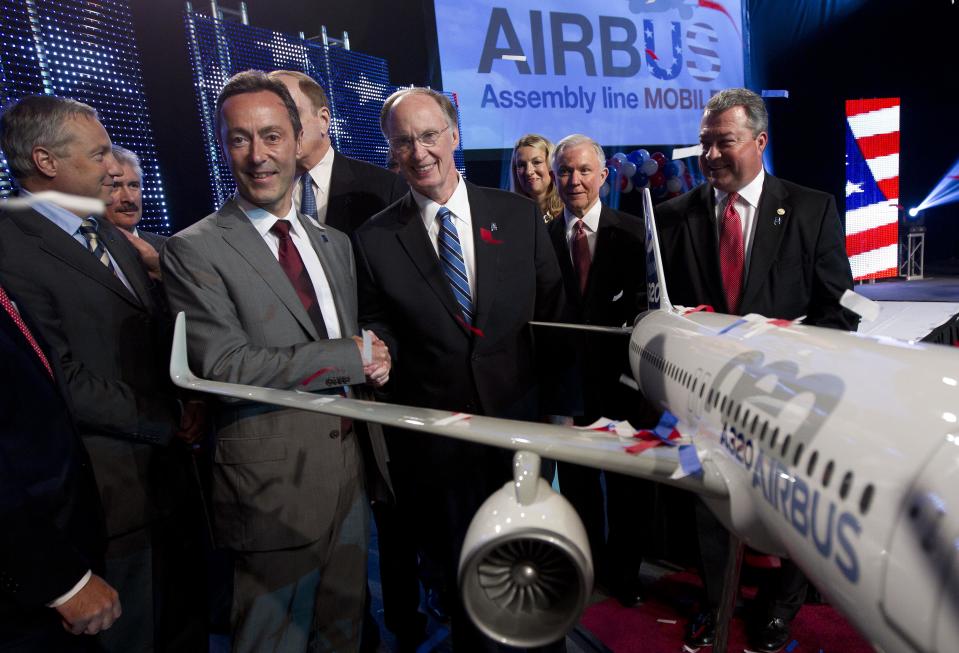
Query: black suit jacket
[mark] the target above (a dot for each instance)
(358, 191)
(405, 298)
(798, 265)
(156, 240)
(113, 346)
(53, 529)
(615, 295)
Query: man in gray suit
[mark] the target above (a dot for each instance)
(271, 301)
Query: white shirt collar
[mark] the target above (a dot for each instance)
(750, 193)
(458, 204)
(590, 220)
(322, 171)
(263, 220)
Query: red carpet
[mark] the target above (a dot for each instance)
(638, 630)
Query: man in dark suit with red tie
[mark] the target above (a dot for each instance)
(449, 276)
(748, 242)
(94, 304)
(602, 257)
(52, 540)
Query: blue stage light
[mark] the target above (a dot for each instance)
(356, 85)
(85, 50)
(913, 212)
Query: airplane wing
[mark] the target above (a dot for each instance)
(592, 448)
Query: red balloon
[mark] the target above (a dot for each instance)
(659, 157)
(623, 180)
(614, 163)
(657, 180)
(672, 195)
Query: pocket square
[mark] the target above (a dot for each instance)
(617, 296)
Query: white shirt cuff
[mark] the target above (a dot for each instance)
(73, 592)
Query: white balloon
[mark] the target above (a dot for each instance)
(629, 186)
(620, 156)
(650, 166)
(628, 169)
(680, 166)
(673, 184)
(604, 190)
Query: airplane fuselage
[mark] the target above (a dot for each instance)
(851, 470)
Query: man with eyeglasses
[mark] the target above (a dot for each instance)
(748, 242)
(449, 277)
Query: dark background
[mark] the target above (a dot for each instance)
(821, 52)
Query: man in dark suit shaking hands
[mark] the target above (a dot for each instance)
(748, 242)
(449, 276)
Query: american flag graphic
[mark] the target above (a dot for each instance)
(872, 187)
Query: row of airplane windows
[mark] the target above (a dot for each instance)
(734, 413)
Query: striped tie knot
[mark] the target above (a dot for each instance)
(88, 229)
(451, 257)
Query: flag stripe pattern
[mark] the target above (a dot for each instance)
(872, 187)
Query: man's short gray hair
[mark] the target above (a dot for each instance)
(444, 103)
(575, 140)
(752, 104)
(127, 158)
(38, 121)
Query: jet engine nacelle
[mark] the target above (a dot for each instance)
(526, 571)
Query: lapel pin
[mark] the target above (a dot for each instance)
(492, 226)
(778, 220)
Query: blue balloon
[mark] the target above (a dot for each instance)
(640, 179)
(643, 155)
(671, 170)
(635, 158)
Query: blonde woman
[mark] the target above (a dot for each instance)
(530, 174)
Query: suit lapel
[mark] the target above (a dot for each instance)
(486, 255)
(416, 242)
(557, 233)
(332, 268)
(767, 235)
(338, 195)
(55, 241)
(605, 242)
(128, 261)
(240, 234)
(705, 242)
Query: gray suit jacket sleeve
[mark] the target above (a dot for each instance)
(239, 330)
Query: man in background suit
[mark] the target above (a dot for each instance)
(53, 533)
(602, 257)
(748, 242)
(450, 276)
(126, 210)
(271, 301)
(92, 300)
(343, 193)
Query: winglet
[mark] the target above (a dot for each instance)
(655, 279)
(179, 363)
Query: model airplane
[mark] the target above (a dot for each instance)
(837, 450)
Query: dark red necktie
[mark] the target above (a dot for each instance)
(731, 253)
(581, 258)
(293, 266)
(7, 304)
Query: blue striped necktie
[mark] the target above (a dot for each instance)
(308, 199)
(88, 228)
(451, 256)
